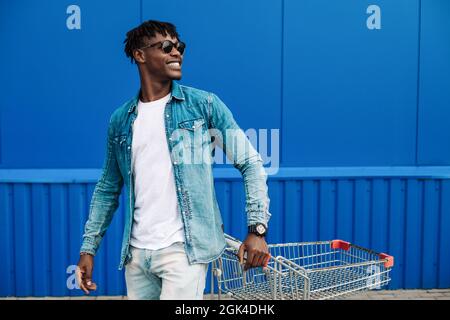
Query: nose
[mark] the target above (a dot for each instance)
(175, 51)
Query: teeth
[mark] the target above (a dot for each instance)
(177, 64)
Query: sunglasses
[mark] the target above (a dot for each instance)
(167, 46)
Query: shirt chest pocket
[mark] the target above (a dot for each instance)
(192, 125)
(192, 134)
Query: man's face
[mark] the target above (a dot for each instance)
(161, 65)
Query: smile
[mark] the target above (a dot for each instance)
(174, 65)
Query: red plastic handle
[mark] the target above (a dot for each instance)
(389, 260)
(340, 244)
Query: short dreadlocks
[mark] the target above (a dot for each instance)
(135, 37)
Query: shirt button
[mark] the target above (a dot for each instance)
(175, 162)
(170, 139)
(129, 148)
(129, 172)
(179, 189)
(167, 115)
(193, 127)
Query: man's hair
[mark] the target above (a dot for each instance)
(148, 29)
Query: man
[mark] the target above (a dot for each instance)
(173, 226)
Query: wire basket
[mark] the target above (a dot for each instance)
(303, 271)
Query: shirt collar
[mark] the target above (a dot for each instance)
(176, 92)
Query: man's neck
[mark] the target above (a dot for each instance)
(153, 90)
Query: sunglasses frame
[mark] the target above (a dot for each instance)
(160, 45)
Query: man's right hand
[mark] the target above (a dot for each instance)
(84, 273)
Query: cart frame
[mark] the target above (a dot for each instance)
(302, 271)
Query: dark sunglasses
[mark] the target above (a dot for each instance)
(167, 46)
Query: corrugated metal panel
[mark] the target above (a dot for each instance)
(408, 217)
(42, 224)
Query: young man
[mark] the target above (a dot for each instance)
(159, 146)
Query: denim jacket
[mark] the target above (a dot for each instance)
(195, 122)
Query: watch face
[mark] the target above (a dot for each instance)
(260, 228)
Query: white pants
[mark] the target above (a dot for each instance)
(164, 274)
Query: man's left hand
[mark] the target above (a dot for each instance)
(257, 252)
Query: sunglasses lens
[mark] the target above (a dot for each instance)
(181, 47)
(167, 46)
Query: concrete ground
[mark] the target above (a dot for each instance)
(434, 294)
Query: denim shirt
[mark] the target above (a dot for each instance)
(195, 122)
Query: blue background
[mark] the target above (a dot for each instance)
(363, 118)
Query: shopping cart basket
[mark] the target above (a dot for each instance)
(304, 270)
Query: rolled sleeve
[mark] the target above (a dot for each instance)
(245, 158)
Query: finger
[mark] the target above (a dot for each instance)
(91, 285)
(80, 276)
(83, 287)
(266, 259)
(260, 260)
(88, 283)
(88, 274)
(250, 258)
(241, 254)
(88, 280)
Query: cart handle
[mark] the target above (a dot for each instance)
(389, 263)
(344, 245)
(236, 244)
(232, 242)
(340, 244)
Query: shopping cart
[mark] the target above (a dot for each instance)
(303, 271)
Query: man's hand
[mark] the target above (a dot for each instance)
(84, 273)
(257, 252)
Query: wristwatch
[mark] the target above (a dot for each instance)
(259, 229)
(86, 254)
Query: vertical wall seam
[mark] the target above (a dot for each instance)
(353, 185)
(50, 238)
(302, 212)
(31, 235)
(281, 84)
(422, 229)
(418, 83)
(66, 220)
(371, 215)
(13, 233)
(405, 232)
(389, 214)
(12, 272)
(438, 260)
(86, 206)
(336, 204)
(283, 209)
(0, 137)
(318, 190)
(48, 271)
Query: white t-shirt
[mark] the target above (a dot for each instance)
(157, 220)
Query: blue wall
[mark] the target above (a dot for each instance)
(363, 117)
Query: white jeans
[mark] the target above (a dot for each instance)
(164, 274)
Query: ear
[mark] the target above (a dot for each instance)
(139, 56)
